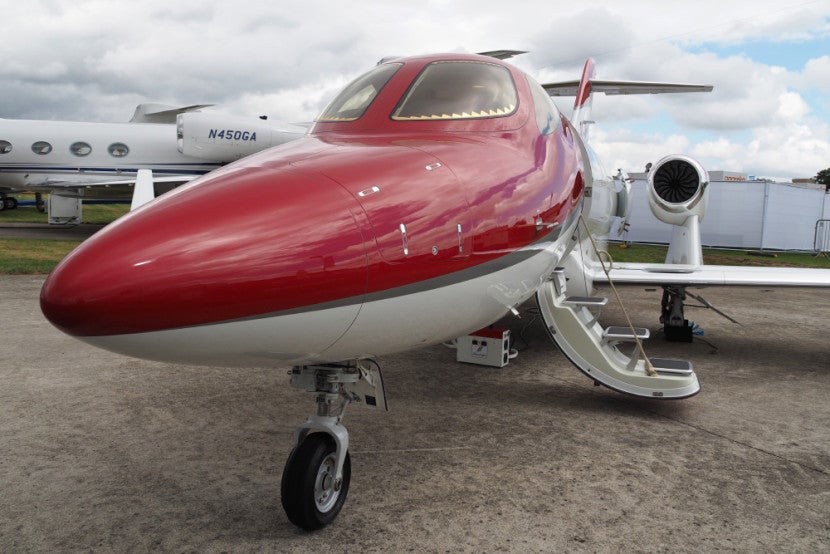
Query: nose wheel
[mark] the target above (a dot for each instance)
(316, 477)
(312, 495)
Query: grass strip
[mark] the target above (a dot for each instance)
(656, 254)
(32, 256)
(91, 213)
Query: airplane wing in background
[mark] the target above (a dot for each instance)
(69, 184)
(162, 113)
(503, 54)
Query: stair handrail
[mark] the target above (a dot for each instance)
(650, 371)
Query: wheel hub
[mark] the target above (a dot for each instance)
(326, 490)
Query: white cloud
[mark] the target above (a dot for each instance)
(621, 149)
(817, 73)
(791, 144)
(96, 59)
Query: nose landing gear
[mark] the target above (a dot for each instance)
(316, 477)
(312, 494)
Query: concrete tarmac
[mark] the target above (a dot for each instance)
(106, 453)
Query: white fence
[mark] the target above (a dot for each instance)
(745, 214)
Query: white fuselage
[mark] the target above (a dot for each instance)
(36, 154)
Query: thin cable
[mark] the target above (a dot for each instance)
(649, 368)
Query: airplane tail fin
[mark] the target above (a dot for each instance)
(584, 97)
(588, 85)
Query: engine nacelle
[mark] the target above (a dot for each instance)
(221, 138)
(677, 189)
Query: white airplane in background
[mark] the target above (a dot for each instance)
(161, 147)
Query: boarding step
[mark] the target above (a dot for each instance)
(590, 301)
(672, 367)
(625, 334)
(559, 280)
(572, 324)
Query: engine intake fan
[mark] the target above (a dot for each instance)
(677, 189)
(676, 181)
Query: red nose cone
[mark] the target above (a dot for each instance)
(244, 242)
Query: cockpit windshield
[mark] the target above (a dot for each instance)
(459, 90)
(352, 103)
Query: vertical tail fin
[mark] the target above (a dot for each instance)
(582, 105)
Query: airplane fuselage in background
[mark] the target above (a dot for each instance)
(160, 148)
(38, 155)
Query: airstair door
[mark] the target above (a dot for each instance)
(572, 323)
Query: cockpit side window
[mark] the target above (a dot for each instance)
(459, 90)
(547, 116)
(355, 99)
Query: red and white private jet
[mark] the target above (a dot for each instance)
(432, 196)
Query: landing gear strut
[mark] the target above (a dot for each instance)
(316, 477)
(675, 326)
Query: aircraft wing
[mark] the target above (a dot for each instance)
(503, 54)
(59, 184)
(162, 113)
(156, 179)
(570, 88)
(713, 275)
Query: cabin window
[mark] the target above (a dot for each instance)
(5, 147)
(459, 90)
(41, 148)
(118, 150)
(355, 99)
(547, 116)
(80, 148)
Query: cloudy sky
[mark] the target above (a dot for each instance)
(769, 61)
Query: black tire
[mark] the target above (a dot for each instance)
(310, 468)
(10, 202)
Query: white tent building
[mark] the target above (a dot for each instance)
(745, 214)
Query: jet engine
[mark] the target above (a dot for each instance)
(225, 138)
(677, 189)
